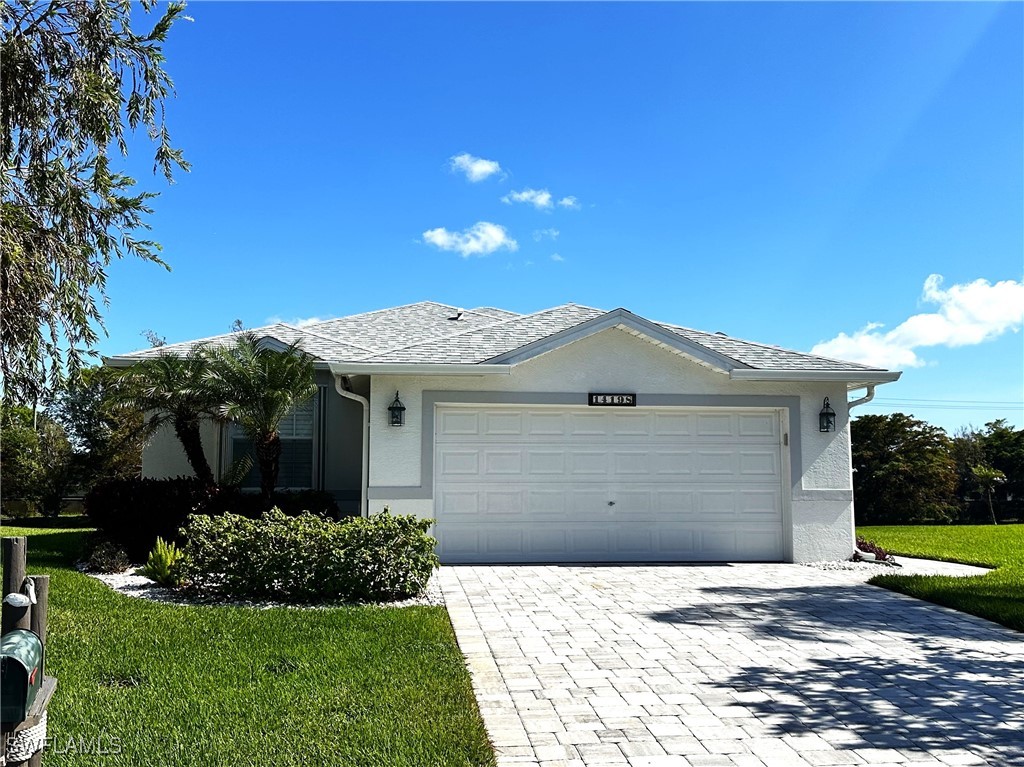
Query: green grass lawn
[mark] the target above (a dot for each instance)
(177, 685)
(998, 596)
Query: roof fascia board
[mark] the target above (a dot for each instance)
(418, 369)
(610, 320)
(861, 376)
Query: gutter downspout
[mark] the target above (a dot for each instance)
(863, 400)
(339, 384)
(866, 556)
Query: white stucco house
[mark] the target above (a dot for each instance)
(567, 435)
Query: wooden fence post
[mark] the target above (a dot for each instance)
(15, 556)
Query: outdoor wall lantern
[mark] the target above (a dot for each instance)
(396, 412)
(827, 418)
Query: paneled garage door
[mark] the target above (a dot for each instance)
(538, 484)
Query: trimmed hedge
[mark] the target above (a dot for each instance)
(307, 558)
(133, 513)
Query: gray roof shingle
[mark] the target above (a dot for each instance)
(430, 332)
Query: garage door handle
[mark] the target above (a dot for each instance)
(611, 503)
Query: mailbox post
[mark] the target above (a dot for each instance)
(25, 691)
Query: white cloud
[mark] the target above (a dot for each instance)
(540, 234)
(538, 198)
(968, 314)
(297, 322)
(481, 239)
(557, 257)
(475, 168)
(570, 202)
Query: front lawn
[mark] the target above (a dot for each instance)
(175, 685)
(997, 596)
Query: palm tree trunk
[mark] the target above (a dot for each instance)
(268, 454)
(188, 433)
(991, 508)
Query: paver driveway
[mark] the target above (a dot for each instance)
(731, 665)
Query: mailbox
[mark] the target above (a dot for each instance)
(21, 673)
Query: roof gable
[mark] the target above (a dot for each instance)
(621, 318)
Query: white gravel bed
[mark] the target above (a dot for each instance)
(131, 584)
(902, 566)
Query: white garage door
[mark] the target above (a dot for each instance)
(538, 484)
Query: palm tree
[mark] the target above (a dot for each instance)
(174, 389)
(988, 479)
(258, 388)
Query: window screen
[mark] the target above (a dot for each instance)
(296, 467)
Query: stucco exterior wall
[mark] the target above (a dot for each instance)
(163, 456)
(820, 505)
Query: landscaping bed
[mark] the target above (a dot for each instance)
(997, 596)
(154, 683)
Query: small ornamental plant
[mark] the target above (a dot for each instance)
(164, 564)
(870, 547)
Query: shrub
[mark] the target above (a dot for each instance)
(164, 564)
(307, 558)
(104, 556)
(135, 512)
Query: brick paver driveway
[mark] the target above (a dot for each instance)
(731, 665)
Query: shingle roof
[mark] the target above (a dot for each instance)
(761, 356)
(479, 344)
(430, 332)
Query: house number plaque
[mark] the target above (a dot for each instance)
(611, 399)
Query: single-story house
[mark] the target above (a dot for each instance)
(569, 434)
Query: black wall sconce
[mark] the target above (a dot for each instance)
(827, 417)
(396, 412)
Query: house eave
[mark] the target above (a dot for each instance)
(854, 379)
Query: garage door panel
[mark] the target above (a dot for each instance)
(764, 463)
(547, 542)
(634, 541)
(545, 424)
(545, 462)
(537, 484)
(548, 502)
(757, 425)
(631, 462)
(503, 462)
(631, 425)
(504, 541)
(588, 462)
(502, 423)
(456, 462)
(458, 503)
(679, 542)
(715, 425)
(453, 423)
(673, 424)
(672, 463)
(721, 462)
(588, 424)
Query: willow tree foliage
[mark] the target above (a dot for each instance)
(76, 81)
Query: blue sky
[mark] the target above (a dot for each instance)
(791, 173)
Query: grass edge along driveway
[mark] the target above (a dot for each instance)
(997, 596)
(148, 683)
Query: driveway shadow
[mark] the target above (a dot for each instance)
(910, 676)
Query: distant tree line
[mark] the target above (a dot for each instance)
(907, 471)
